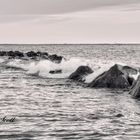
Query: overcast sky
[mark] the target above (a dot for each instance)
(69, 21)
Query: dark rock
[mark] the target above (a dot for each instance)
(15, 54)
(42, 54)
(80, 73)
(31, 54)
(116, 77)
(55, 58)
(2, 53)
(19, 54)
(130, 80)
(39, 53)
(119, 115)
(135, 90)
(12, 54)
(55, 71)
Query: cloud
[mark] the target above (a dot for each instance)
(80, 27)
(69, 21)
(38, 7)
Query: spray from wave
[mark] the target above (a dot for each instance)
(50, 69)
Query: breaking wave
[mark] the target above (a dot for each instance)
(42, 68)
(67, 67)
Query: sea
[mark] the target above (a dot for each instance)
(44, 106)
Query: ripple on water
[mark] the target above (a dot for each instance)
(56, 109)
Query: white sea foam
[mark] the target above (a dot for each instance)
(135, 76)
(42, 68)
(2, 60)
(92, 76)
(17, 63)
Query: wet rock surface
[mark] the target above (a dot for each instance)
(31, 55)
(55, 58)
(80, 73)
(135, 90)
(116, 77)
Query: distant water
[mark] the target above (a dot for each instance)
(49, 107)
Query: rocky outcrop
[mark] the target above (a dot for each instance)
(135, 90)
(80, 73)
(43, 55)
(19, 54)
(55, 58)
(12, 54)
(116, 77)
(2, 53)
(31, 55)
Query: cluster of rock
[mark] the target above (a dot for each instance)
(117, 76)
(31, 55)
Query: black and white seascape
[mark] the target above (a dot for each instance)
(57, 96)
(69, 69)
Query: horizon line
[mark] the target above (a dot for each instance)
(69, 43)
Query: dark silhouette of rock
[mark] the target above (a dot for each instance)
(35, 55)
(55, 58)
(116, 77)
(119, 115)
(19, 54)
(135, 90)
(11, 53)
(31, 54)
(55, 71)
(42, 55)
(39, 53)
(2, 53)
(80, 73)
(15, 54)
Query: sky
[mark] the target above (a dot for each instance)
(69, 21)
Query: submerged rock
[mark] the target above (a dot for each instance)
(19, 54)
(12, 54)
(55, 58)
(55, 71)
(80, 73)
(135, 90)
(119, 115)
(43, 55)
(116, 77)
(31, 54)
(2, 53)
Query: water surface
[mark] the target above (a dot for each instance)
(57, 108)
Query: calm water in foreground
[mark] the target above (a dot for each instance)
(57, 108)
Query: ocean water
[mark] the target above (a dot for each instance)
(51, 107)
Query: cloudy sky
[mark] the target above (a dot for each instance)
(69, 21)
